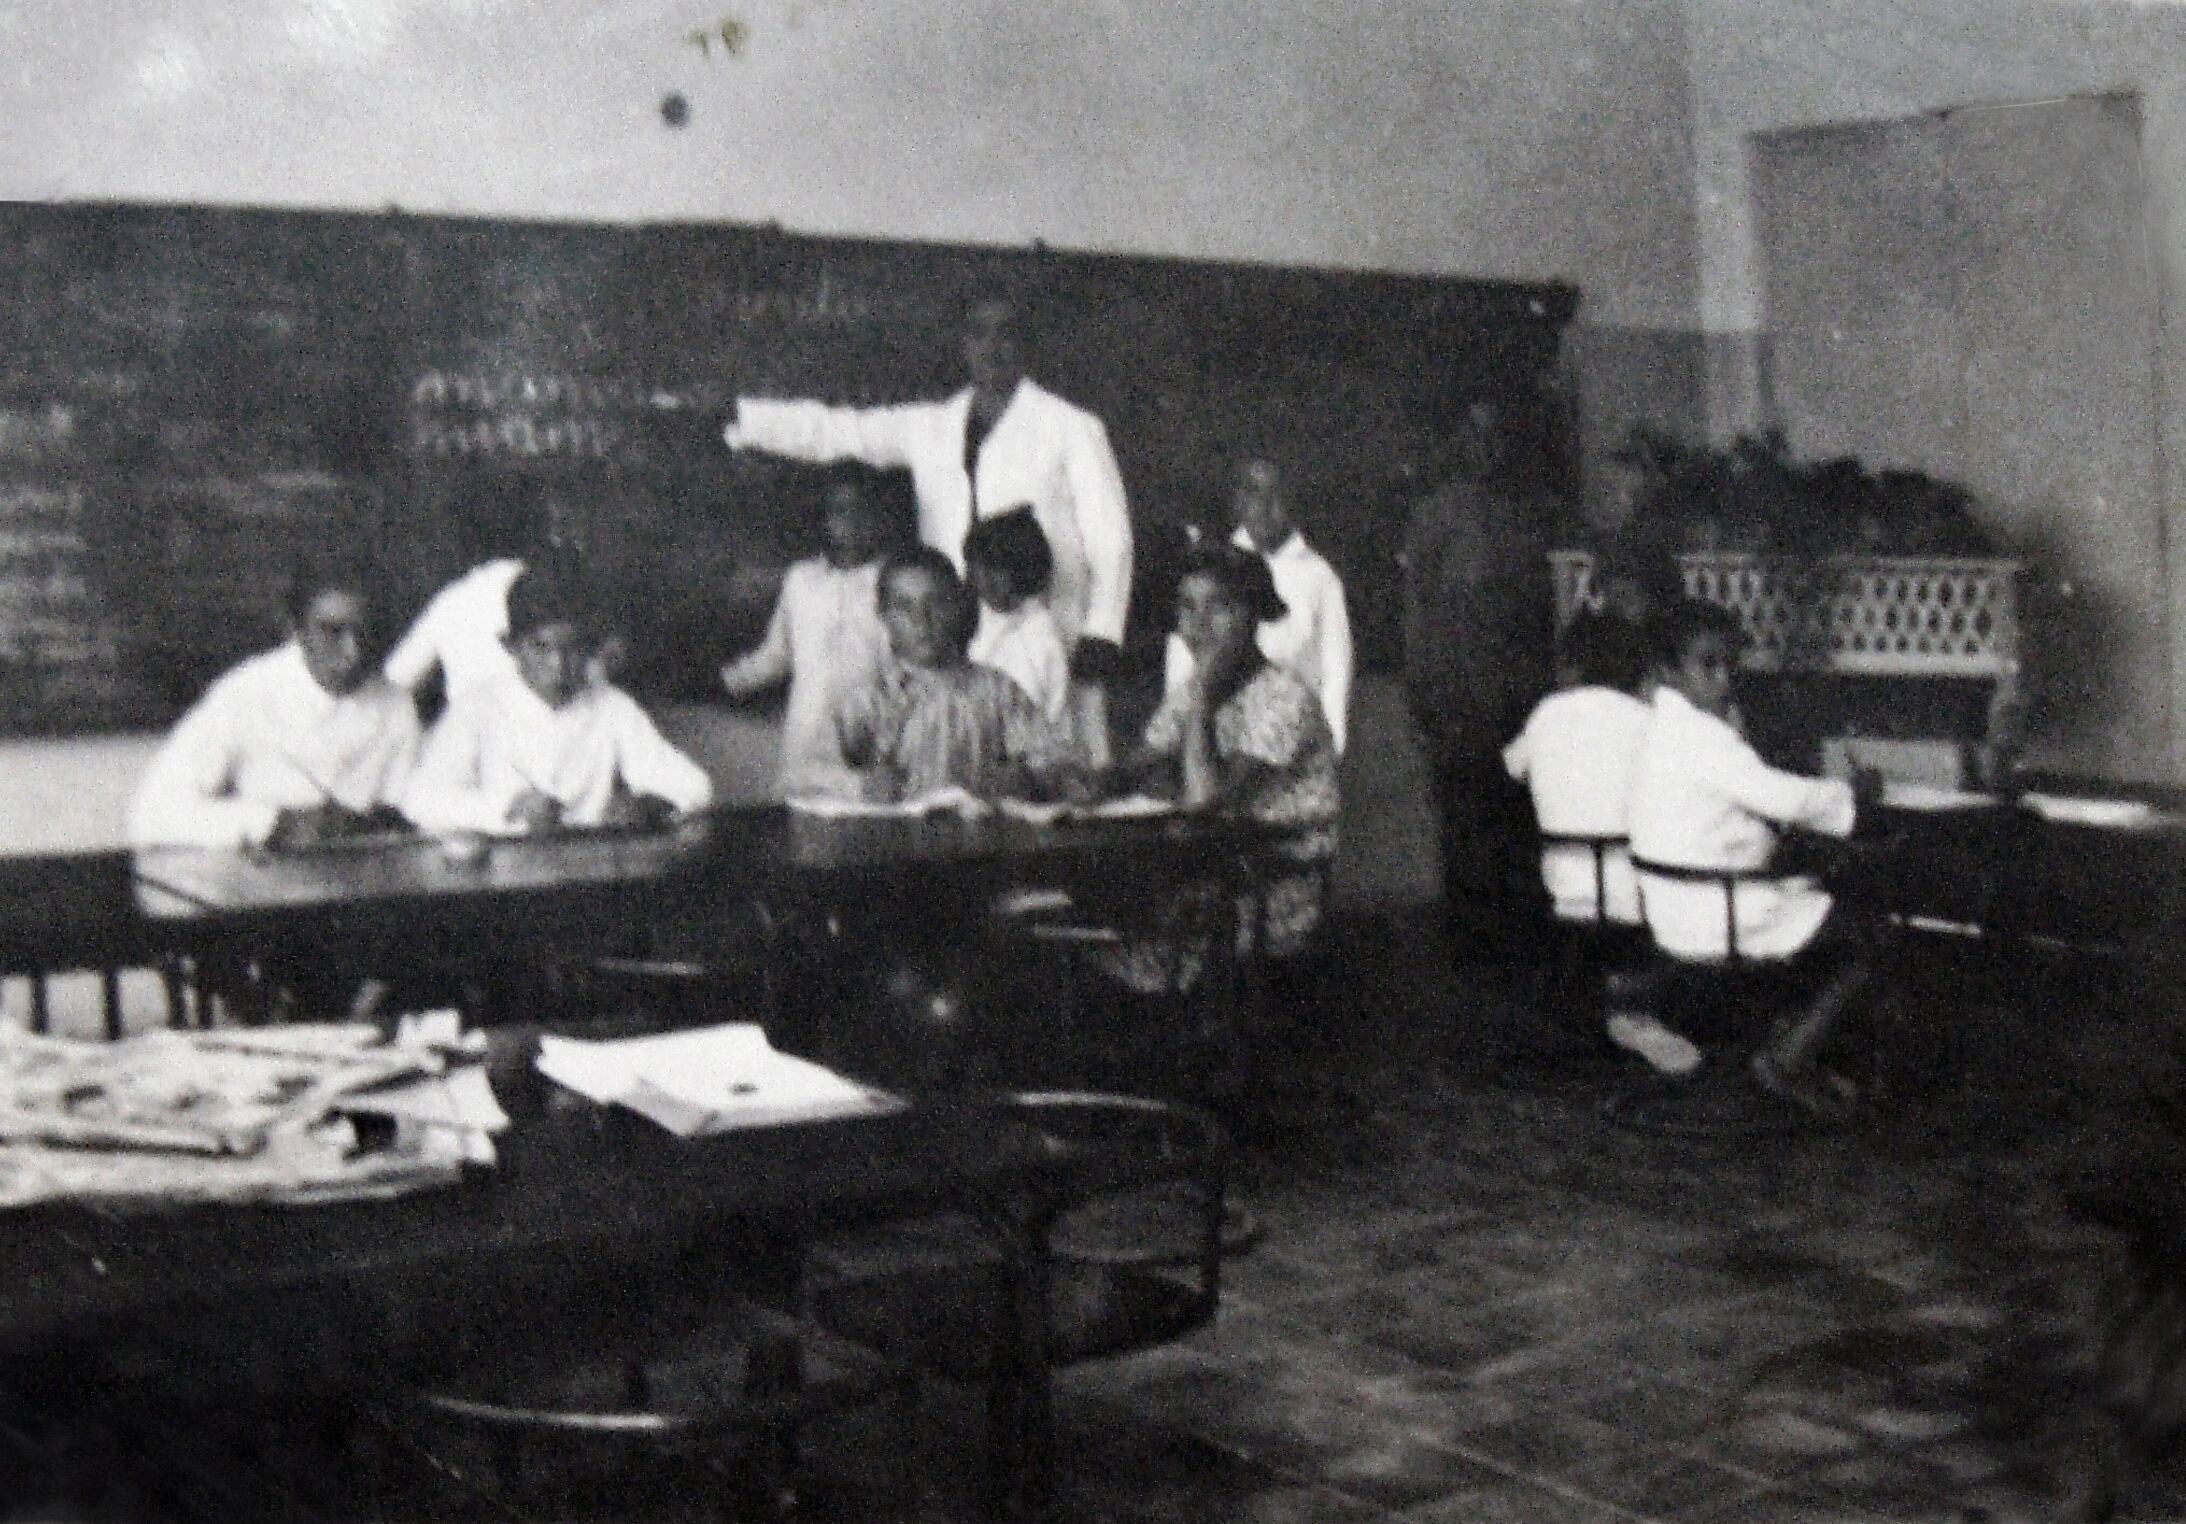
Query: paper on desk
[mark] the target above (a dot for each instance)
(2114, 813)
(1928, 796)
(1129, 807)
(714, 1079)
(462, 1099)
(829, 807)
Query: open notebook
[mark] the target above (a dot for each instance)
(709, 1080)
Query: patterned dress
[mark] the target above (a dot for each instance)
(919, 729)
(1274, 719)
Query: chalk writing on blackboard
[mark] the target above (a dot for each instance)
(826, 301)
(517, 434)
(48, 610)
(533, 391)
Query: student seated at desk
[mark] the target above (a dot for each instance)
(1702, 798)
(1246, 736)
(825, 639)
(1576, 756)
(549, 746)
(296, 745)
(931, 719)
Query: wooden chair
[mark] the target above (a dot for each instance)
(1727, 1001)
(1129, 1264)
(596, 1397)
(1589, 952)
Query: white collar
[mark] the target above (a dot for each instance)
(1289, 550)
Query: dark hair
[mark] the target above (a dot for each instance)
(542, 596)
(925, 558)
(1675, 628)
(1013, 544)
(1243, 577)
(1607, 651)
(315, 569)
(852, 475)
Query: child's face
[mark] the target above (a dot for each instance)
(993, 586)
(1257, 506)
(916, 608)
(551, 659)
(332, 634)
(851, 528)
(1703, 673)
(1213, 628)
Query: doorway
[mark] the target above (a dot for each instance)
(1972, 293)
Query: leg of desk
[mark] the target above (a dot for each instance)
(1020, 1411)
(110, 1002)
(41, 1011)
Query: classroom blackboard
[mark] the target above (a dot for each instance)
(187, 392)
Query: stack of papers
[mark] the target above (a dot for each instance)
(713, 1079)
(265, 1114)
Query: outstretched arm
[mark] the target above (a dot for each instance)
(816, 432)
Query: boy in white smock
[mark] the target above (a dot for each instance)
(549, 746)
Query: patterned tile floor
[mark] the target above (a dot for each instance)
(1478, 1299)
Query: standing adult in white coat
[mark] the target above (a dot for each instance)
(1001, 442)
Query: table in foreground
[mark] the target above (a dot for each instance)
(575, 1182)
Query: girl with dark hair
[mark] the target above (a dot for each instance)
(1245, 736)
(1008, 563)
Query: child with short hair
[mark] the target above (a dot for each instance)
(1576, 756)
(1702, 798)
(295, 745)
(931, 719)
(549, 746)
(1007, 561)
(825, 639)
(1312, 638)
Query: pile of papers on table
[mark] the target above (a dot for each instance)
(256, 1114)
(708, 1080)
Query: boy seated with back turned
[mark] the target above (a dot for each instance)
(932, 719)
(1702, 798)
(549, 745)
(1576, 756)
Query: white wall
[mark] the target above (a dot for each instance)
(1799, 63)
(1524, 138)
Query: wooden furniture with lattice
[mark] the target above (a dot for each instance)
(1935, 619)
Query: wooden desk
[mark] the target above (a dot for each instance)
(755, 852)
(574, 1181)
(2008, 869)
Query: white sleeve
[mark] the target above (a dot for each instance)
(649, 764)
(445, 791)
(1736, 770)
(418, 652)
(816, 432)
(1336, 668)
(1518, 756)
(1104, 527)
(767, 663)
(1176, 664)
(184, 798)
(1052, 678)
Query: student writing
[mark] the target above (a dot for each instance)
(549, 746)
